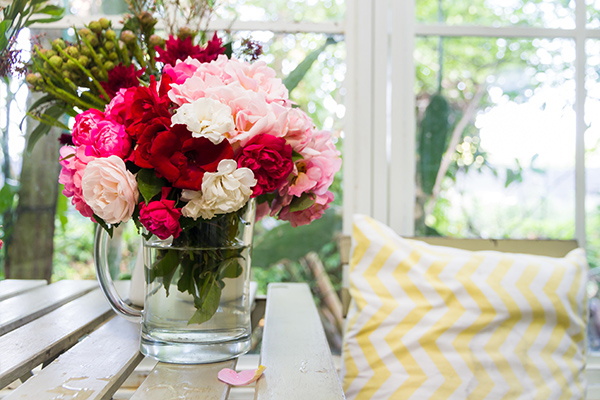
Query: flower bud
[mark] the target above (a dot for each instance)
(84, 32)
(108, 65)
(93, 40)
(95, 71)
(128, 37)
(85, 51)
(110, 34)
(104, 23)
(72, 51)
(109, 46)
(31, 79)
(56, 61)
(83, 60)
(58, 42)
(113, 56)
(95, 27)
(67, 75)
(147, 19)
(70, 65)
(156, 40)
(184, 32)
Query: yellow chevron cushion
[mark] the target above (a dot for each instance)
(431, 322)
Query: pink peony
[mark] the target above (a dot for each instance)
(110, 138)
(85, 123)
(257, 77)
(299, 129)
(70, 176)
(270, 159)
(305, 217)
(116, 110)
(161, 217)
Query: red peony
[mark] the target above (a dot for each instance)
(121, 77)
(161, 217)
(270, 158)
(180, 49)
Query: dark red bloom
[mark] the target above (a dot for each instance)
(180, 49)
(66, 139)
(121, 77)
(270, 158)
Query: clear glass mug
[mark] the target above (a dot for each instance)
(172, 330)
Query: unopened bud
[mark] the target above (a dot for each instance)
(70, 65)
(104, 23)
(93, 40)
(58, 42)
(109, 65)
(95, 27)
(113, 56)
(127, 36)
(83, 60)
(147, 19)
(84, 50)
(84, 32)
(95, 71)
(72, 51)
(56, 61)
(155, 40)
(110, 34)
(109, 46)
(31, 79)
(184, 32)
(67, 75)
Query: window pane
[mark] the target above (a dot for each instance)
(506, 113)
(592, 156)
(286, 10)
(592, 13)
(538, 13)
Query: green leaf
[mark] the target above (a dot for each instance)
(62, 208)
(7, 197)
(302, 203)
(228, 49)
(43, 20)
(207, 306)
(296, 156)
(165, 268)
(294, 78)
(43, 100)
(47, 120)
(52, 10)
(230, 268)
(149, 184)
(108, 228)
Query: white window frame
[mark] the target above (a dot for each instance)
(379, 155)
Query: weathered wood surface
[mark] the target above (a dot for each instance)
(93, 369)
(295, 349)
(190, 382)
(30, 345)
(13, 287)
(21, 309)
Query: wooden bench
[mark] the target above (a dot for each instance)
(88, 352)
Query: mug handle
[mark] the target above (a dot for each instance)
(106, 283)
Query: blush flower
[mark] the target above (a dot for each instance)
(70, 176)
(110, 189)
(308, 215)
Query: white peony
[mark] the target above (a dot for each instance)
(109, 189)
(224, 191)
(205, 118)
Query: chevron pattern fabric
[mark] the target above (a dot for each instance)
(431, 322)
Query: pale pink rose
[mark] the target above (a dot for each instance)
(193, 89)
(70, 177)
(299, 129)
(85, 123)
(111, 139)
(109, 189)
(310, 214)
(257, 77)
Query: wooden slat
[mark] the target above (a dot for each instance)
(295, 349)
(93, 369)
(13, 287)
(21, 309)
(180, 381)
(40, 340)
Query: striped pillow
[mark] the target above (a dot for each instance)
(430, 322)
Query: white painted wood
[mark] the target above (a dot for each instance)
(580, 125)
(13, 287)
(295, 349)
(181, 381)
(381, 110)
(490, 31)
(40, 340)
(403, 146)
(281, 26)
(93, 369)
(19, 310)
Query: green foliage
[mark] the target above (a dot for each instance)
(149, 184)
(294, 78)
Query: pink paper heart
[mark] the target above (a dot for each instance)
(241, 378)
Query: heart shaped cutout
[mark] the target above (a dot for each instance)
(241, 378)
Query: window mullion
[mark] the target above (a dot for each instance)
(580, 95)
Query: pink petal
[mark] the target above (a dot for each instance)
(242, 378)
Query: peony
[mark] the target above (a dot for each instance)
(110, 189)
(270, 159)
(308, 215)
(161, 217)
(116, 110)
(85, 123)
(224, 191)
(257, 77)
(205, 118)
(110, 139)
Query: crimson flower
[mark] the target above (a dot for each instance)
(180, 49)
(121, 77)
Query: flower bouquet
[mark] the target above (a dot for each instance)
(186, 156)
